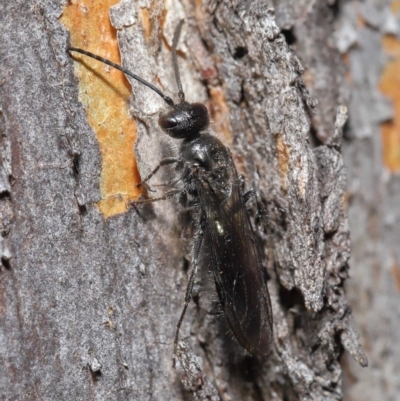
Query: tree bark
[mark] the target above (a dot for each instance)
(371, 153)
(91, 289)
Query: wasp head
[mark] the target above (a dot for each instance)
(184, 120)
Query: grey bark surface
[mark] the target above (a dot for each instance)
(89, 305)
(374, 203)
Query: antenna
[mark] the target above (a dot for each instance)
(175, 60)
(167, 99)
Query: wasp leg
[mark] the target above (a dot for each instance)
(248, 195)
(167, 195)
(188, 295)
(163, 162)
(262, 216)
(242, 182)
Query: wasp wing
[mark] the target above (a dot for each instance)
(236, 264)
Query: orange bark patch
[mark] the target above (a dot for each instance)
(346, 61)
(396, 275)
(395, 6)
(360, 21)
(220, 112)
(145, 15)
(283, 157)
(308, 78)
(104, 92)
(390, 86)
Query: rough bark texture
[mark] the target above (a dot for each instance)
(89, 305)
(374, 199)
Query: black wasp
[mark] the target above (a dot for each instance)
(209, 183)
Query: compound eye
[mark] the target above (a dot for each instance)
(167, 122)
(200, 106)
(199, 110)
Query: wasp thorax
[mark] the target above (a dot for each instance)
(185, 120)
